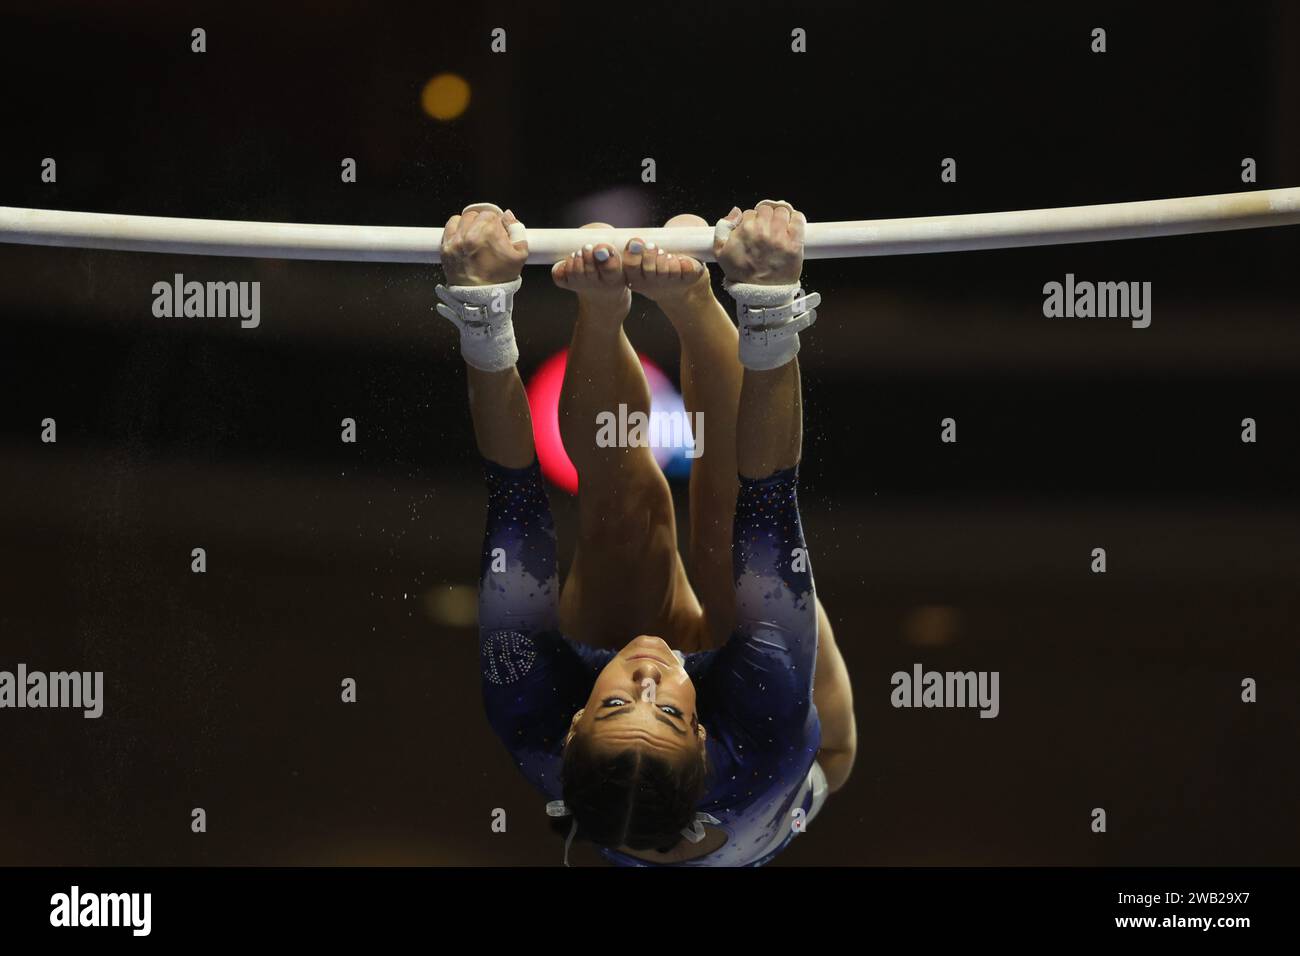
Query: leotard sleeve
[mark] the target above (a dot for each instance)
(760, 684)
(534, 679)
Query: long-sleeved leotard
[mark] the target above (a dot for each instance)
(754, 694)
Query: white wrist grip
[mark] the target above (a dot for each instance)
(770, 318)
(483, 315)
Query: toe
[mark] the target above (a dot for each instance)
(633, 253)
(650, 261)
(607, 261)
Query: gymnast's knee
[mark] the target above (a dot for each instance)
(625, 508)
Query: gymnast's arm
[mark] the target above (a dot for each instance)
(768, 436)
(776, 606)
(517, 588)
(775, 599)
(769, 425)
(532, 679)
(477, 251)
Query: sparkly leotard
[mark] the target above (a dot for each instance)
(753, 695)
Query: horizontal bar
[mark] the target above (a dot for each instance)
(824, 240)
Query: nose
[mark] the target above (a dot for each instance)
(646, 669)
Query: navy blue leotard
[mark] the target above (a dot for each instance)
(753, 694)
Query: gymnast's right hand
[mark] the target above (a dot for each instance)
(477, 248)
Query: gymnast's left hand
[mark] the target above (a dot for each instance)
(764, 245)
(476, 247)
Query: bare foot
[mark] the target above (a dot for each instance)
(661, 275)
(595, 273)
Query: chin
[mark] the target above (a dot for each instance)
(648, 640)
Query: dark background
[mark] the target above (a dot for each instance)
(329, 560)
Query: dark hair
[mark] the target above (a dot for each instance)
(633, 799)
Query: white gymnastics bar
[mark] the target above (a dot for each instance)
(824, 240)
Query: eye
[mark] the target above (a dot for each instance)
(613, 702)
(672, 711)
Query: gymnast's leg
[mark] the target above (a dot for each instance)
(711, 377)
(627, 578)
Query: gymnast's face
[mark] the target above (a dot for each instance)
(642, 699)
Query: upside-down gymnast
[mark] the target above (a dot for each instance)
(672, 719)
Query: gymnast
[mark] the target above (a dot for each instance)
(693, 719)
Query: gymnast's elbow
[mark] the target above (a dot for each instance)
(837, 764)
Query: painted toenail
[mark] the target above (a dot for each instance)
(602, 255)
(634, 246)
